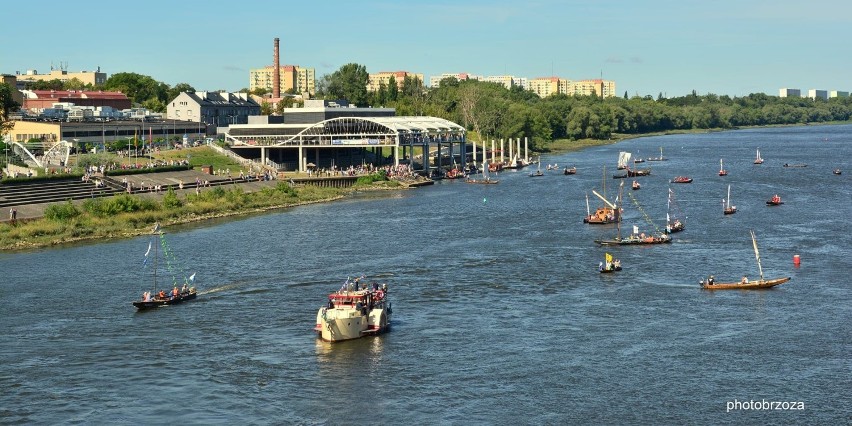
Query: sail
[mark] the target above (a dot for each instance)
(757, 255)
(608, 258)
(623, 159)
(635, 229)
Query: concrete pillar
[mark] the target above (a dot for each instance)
(474, 154)
(493, 155)
(502, 148)
(526, 149)
(519, 147)
(511, 152)
(263, 156)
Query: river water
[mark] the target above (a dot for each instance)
(500, 315)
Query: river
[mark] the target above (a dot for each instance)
(500, 315)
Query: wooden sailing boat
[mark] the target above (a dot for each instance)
(729, 209)
(610, 266)
(673, 225)
(156, 299)
(608, 213)
(635, 238)
(660, 158)
(758, 159)
(538, 171)
(485, 178)
(745, 284)
(722, 171)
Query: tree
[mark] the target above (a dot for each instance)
(265, 108)
(393, 89)
(177, 90)
(7, 105)
(349, 82)
(139, 88)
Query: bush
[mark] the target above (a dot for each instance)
(285, 188)
(170, 200)
(61, 212)
(123, 203)
(379, 176)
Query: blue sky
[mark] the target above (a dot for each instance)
(726, 47)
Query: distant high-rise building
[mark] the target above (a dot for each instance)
(597, 87)
(292, 77)
(383, 78)
(546, 86)
(816, 93)
(435, 80)
(790, 93)
(838, 94)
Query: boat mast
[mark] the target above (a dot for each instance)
(757, 255)
(156, 258)
(618, 209)
(728, 200)
(588, 210)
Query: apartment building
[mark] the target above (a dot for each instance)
(213, 108)
(293, 77)
(383, 78)
(597, 87)
(87, 77)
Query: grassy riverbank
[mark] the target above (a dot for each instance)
(124, 216)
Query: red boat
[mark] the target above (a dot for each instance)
(722, 171)
(682, 179)
(774, 201)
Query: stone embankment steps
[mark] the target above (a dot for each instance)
(51, 191)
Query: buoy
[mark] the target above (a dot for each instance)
(796, 260)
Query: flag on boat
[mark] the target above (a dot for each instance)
(608, 258)
(635, 229)
(157, 227)
(192, 277)
(145, 261)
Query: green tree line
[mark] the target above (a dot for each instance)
(493, 111)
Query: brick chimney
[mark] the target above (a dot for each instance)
(276, 76)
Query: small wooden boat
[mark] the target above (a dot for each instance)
(538, 171)
(795, 165)
(682, 179)
(155, 298)
(774, 201)
(758, 159)
(165, 299)
(606, 214)
(673, 224)
(486, 179)
(610, 266)
(571, 171)
(837, 171)
(722, 171)
(635, 185)
(744, 284)
(660, 158)
(728, 208)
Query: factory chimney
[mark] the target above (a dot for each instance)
(276, 76)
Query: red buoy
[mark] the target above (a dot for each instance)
(796, 260)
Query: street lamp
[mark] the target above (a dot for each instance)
(129, 139)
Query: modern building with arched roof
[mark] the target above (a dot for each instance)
(343, 140)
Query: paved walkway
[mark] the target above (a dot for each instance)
(33, 211)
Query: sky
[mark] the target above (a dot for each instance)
(648, 47)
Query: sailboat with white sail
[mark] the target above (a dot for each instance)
(744, 284)
(722, 171)
(673, 222)
(728, 207)
(758, 159)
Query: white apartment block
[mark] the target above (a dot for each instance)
(816, 93)
(790, 93)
